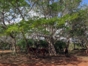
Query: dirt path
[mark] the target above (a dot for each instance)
(48, 64)
(55, 61)
(5, 51)
(25, 60)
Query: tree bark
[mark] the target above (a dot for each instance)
(13, 46)
(52, 51)
(74, 45)
(26, 41)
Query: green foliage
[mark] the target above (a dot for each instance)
(55, 6)
(67, 18)
(2, 31)
(43, 43)
(21, 44)
(19, 2)
(40, 25)
(51, 21)
(59, 46)
(12, 28)
(6, 5)
(25, 25)
(4, 46)
(79, 24)
(31, 42)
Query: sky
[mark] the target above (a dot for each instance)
(84, 2)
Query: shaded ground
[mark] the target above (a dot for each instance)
(25, 60)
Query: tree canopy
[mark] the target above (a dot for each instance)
(50, 19)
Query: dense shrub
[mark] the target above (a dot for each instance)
(22, 43)
(5, 46)
(43, 44)
(59, 46)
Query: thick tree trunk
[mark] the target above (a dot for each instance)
(13, 46)
(52, 51)
(26, 41)
(86, 50)
(86, 45)
(74, 45)
(67, 48)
